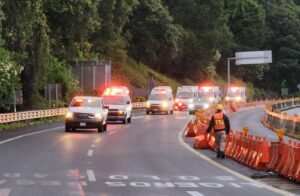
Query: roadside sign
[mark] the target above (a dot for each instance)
(253, 57)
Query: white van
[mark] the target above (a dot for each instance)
(119, 104)
(185, 95)
(236, 94)
(160, 100)
(207, 96)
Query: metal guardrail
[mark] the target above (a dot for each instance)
(35, 114)
(275, 119)
(28, 115)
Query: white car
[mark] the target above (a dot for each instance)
(119, 105)
(86, 112)
(160, 102)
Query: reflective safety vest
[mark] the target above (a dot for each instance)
(219, 121)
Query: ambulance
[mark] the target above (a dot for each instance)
(185, 95)
(160, 100)
(208, 95)
(118, 102)
(236, 93)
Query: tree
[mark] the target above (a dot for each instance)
(9, 74)
(151, 34)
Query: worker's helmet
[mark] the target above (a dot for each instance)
(219, 107)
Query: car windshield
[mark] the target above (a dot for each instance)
(231, 93)
(113, 100)
(185, 95)
(158, 97)
(206, 93)
(82, 102)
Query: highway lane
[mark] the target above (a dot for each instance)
(251, 118)
(294, 111)
(142, 158)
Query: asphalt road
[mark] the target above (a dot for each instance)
(251, 118)
(147, 157)
(293, 112)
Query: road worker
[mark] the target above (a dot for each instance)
(221, 125)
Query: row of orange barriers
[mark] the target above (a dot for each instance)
(249, 150)
(275, 119)
(253, 151)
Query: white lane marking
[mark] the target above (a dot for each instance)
(93, 146)
(98, 140)
(194, 193)
(90, 153)
(5, 192)
(30, 134)
(91, 175)
(218, 165)
(110, 133)
(137, 117)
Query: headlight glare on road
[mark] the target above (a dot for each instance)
(69, 115)
(98, 116)
(190, 100)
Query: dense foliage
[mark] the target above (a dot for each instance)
(180, 38)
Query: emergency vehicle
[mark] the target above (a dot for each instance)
(185, 95)
(86, 112)
(207, 95)
(160, 100)
(119, 104)
(236, 94)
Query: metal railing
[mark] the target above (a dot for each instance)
(35, 114)
(275, 119)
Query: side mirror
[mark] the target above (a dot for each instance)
(106, 107)
(127, 102)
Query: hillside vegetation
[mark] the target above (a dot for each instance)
(187, 40)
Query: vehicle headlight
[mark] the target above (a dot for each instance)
(238, 98)
(211, 99)
(206, 106)
(227, 98)
(69, 114)
(176, 100)
(148, 104)
(98, 116)
(191, 106)
(121, 112)
(164, 104)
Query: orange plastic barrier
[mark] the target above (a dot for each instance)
(276, 153)
(201, 142)
(191, 132)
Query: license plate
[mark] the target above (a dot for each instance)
(82, 124)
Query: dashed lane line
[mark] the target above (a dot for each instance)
(91, 175)
(216, 164)
(30, 134)
(5, 192)
(90, 153)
